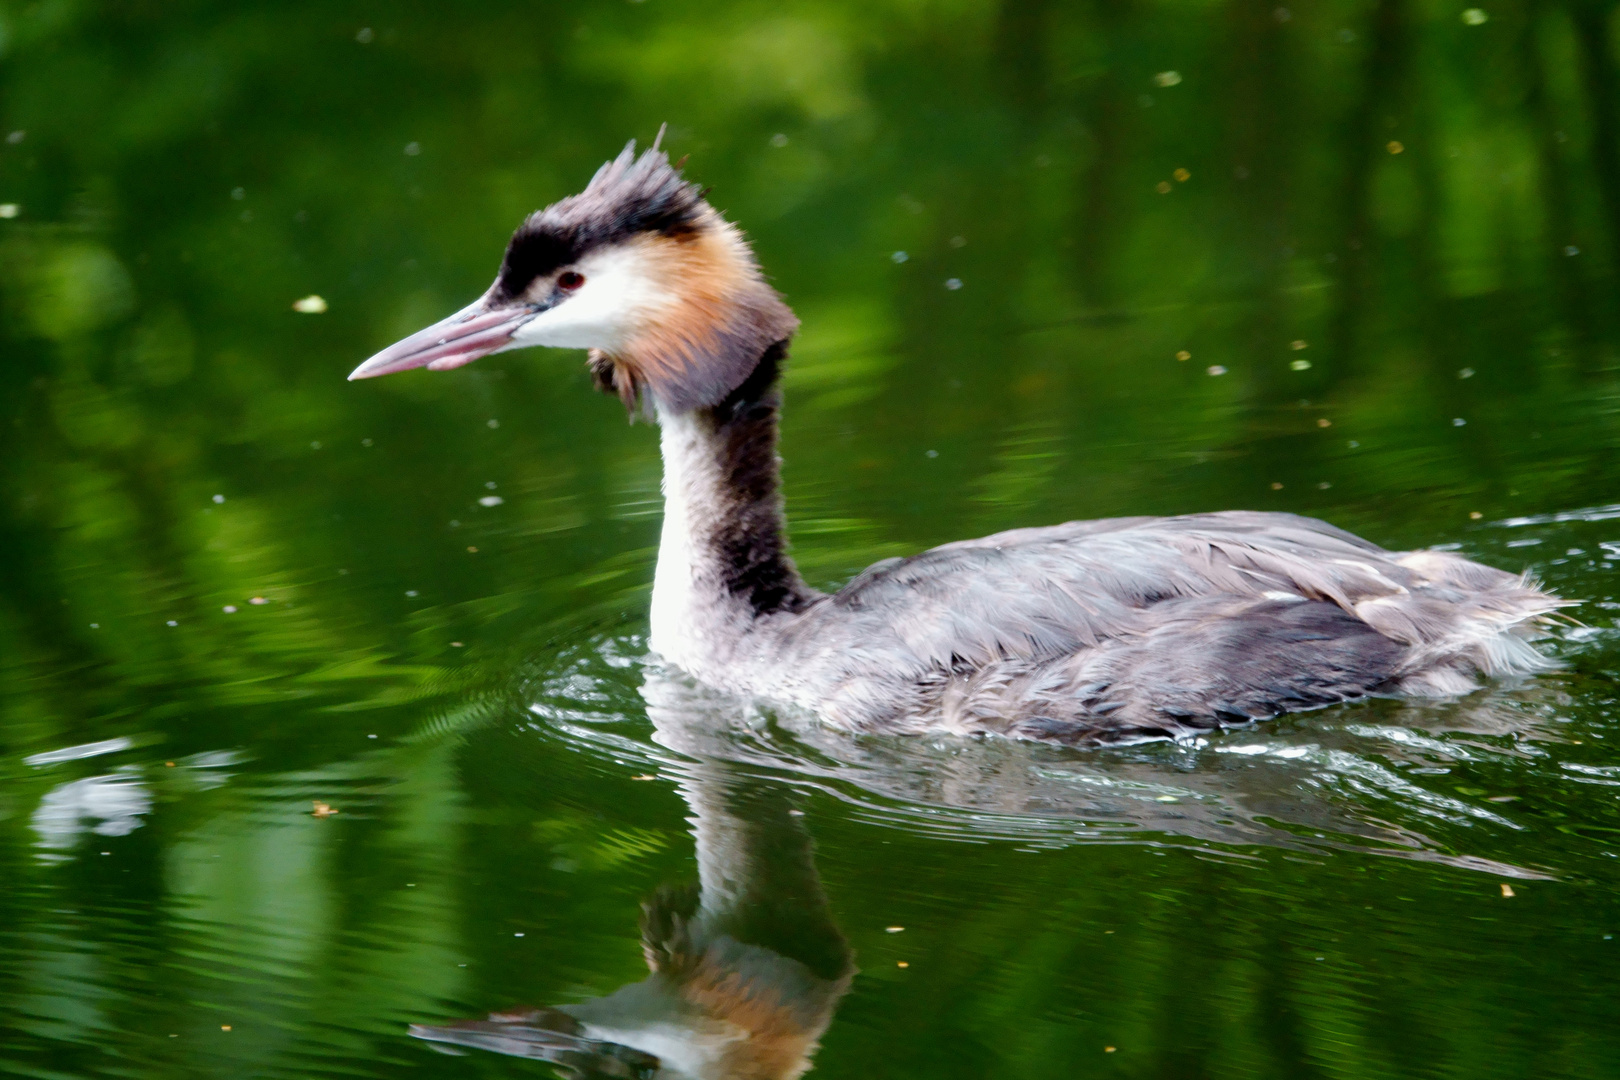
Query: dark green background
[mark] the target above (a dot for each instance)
(1424, 207)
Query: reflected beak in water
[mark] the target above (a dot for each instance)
(544, 1035)
(476, 330)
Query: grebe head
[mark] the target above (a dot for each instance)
(639, 269)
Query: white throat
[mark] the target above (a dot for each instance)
(687, 601)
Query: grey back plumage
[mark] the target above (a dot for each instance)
(1140, 627)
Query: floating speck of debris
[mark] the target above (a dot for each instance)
(931, 453)
(491, 500)
(1182, 176)
(1166, 798)
(229, 609)
(472, 550)
(901, 963)
(1300, 345)
(1276, 486)
(494, 423)
(365, 442)
(893, 929)
(1503, 798)
(953, 283)
(1167, 78)
(9, 210)
(1353, 444)
(16, 137)
(958, 241)
(1475, 17)
(457, 644)
(1323, 485)
(224, 1027)
(779, 140)
(518, 934)
(1322, 421)
(95, 626)
(899, 257)
(1183, 355)
(412, 149)
(238, 193)
(1215, 369)
(371, 736)
(364, 36)
(1457, 421)
(645, 776)
(258, 600)
(1572, 250)
(1394, 146)
(1163, 187)
(171, 622)
(1109, 1049)
(219, 498)
(1300, 365)
(322, 809)
(310, 305)
(1507, 890)
(1465, 373)
(316, 445)
(1474, 515)
(795, 813)
(410, 592)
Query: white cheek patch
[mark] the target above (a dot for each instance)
(619, 295)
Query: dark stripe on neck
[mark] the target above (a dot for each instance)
(751, 538)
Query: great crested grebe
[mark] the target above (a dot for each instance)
(1088, 632)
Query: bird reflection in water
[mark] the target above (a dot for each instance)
(745, 968)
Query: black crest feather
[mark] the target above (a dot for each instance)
(628, 195)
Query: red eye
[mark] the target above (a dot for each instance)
(570, 280)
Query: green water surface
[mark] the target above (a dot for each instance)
(1349, 259)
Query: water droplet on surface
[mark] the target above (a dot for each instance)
(219, 498)
(491, 500)
(229, 609)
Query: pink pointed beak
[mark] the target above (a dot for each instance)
(472, 332)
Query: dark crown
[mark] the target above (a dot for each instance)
(628, 195)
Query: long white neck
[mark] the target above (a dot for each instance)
(722, 556)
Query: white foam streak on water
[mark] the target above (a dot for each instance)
(78, 753)
(1591, 513)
